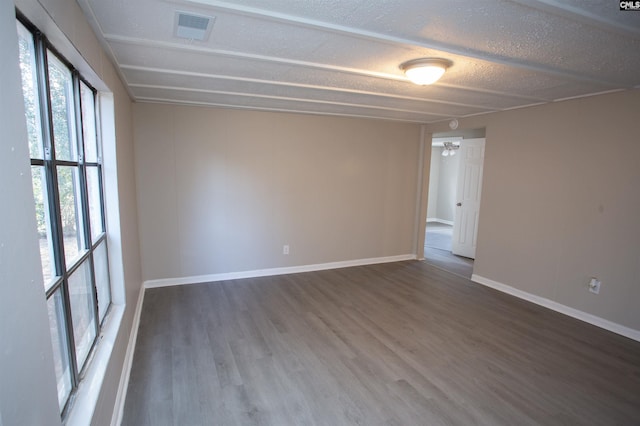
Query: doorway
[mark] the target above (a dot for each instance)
(437, 250)
(453, 202)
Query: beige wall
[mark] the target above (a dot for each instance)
(64, 23)
(223, 190)
(561, 202)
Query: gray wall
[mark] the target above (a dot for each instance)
(447, 187)
(560, 202)
(223, 190)
(27, 365)
(442, 185)
(27, 379)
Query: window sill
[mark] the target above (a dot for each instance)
(86, 396)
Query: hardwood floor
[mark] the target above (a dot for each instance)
(394, 344)
(449, 262)
(437, 250)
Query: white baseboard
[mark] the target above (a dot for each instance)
(274, 271)
(443, 221)
(121, 396)
(558, 307)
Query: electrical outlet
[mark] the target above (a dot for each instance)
(594, 285)
(285, 249)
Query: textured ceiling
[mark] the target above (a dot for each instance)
(342, 57)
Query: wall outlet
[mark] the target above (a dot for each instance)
(594, 285)
(285, 249)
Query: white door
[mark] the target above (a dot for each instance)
(465, 225)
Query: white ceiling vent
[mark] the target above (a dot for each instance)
(193, 27)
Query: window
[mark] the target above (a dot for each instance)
(66, 167)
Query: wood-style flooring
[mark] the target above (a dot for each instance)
(394, 344)
(437, 250)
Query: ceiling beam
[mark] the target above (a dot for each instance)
(309, 86)
(273, 109)
(287, 98)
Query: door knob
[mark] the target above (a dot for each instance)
(459, 204)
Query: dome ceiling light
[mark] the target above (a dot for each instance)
(425, 70)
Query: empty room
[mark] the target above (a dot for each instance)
(319, 212)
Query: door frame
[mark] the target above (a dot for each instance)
(422, 193)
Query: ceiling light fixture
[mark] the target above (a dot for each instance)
(449, 149)
(425, 70)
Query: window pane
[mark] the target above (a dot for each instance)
(101, 267)
(82, 312)
(67, 189)
(70, 208)
(61, 93)
(44, 225)
(95, 202)
(29, 90)
(60, 344)
(88, 124)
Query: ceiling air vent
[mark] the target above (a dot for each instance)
(193, 27)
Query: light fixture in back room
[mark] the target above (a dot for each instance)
(449, 149)
(192, 26)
